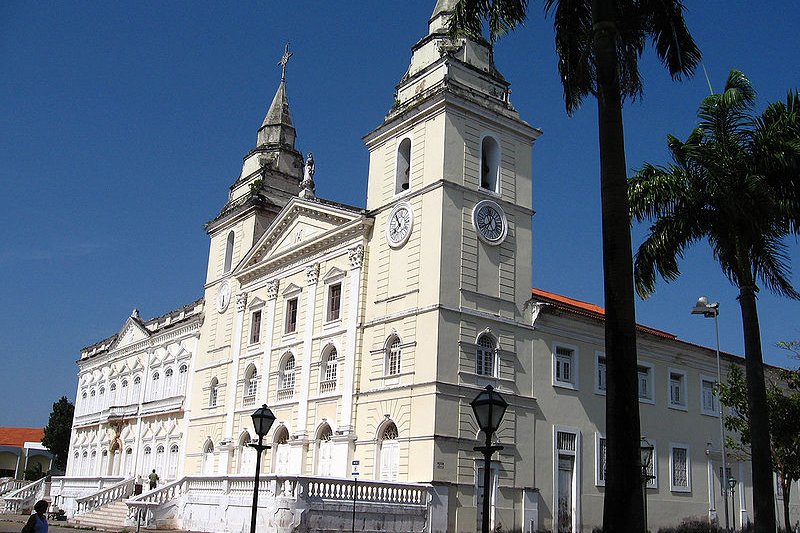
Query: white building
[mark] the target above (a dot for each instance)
(369, 330)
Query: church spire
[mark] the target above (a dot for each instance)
(277, 129)
(441, 16)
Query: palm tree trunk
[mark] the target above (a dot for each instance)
(623, 504)
(763, 494)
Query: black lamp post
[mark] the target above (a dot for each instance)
(489, 408)
(732, 486)
(646, 458)
(262, 421)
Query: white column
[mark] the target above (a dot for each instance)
(137, 448)
(312, 273)
(346, 423)
(233, 373)
(712, 509)
(742, 497)
(269, 321)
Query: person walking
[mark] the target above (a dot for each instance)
(153, 477)
(37, 523)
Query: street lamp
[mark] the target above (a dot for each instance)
(646, 459)
(702, 307)
(732, 486)
(489, 408)
(262, 421)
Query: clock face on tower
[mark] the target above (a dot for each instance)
(399, 225)
(490, 222)
(223, 296)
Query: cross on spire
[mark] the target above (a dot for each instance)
(284, 60)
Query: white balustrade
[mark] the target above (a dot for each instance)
(115, 492)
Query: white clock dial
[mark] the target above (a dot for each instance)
(223, 296)
(490, 222)
(399, 225)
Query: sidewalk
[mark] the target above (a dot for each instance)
(12, 523)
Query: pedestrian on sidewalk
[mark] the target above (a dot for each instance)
(153, 477)
(37, 523)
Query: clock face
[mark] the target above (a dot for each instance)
(399, 225)
(223, 296)
(490, 222)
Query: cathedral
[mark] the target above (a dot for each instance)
(369, 330)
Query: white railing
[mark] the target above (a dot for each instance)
(164, 404)
(7, 484)
(327, 386)
(115, 492)
(279, 487)
(249, 400)
(379, 492)
(24, 497)
(285, 394)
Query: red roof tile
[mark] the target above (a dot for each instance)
(590, 310)
(19, 436)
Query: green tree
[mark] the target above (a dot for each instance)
(784, 412)
(733, 182)
(58, 430)
(599, 43)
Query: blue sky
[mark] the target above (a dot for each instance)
(125, 123)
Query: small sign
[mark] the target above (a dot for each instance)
(356, 463)
(355, 468)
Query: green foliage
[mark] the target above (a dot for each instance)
(256, 186)
(693, 526)
(57, 433)
(734, 182)
(34, 472)
(784, 412)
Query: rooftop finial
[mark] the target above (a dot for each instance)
(284, 60)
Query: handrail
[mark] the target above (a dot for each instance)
(23, 497)
(115, 492)
(8, 484)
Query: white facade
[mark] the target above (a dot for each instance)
(369, 331)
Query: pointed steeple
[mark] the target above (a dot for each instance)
(277, 129)
(441, 16)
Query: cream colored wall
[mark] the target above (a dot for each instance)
(584, 410)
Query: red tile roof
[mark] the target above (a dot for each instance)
(589, 310)
(19, 436)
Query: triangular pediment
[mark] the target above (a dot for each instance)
(302, 228)
(132, 332)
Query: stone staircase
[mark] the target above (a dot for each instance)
(110, 516)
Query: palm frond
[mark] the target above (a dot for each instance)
(660, 252)
(771, 262)
(572, 20)
(672, 41)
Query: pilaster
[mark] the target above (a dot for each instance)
(356, 256)
(312, 275)
(269, 321)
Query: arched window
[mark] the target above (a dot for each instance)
(159, 464)
(328, 369)
(213, 393)
(403, 166)
(393, 356)
(490, 164)
(137, 383)
(250, 385)
(155, 392)
(484, 356)
(169, 384)
(247, 455)
(183, 376)
(84, 404)
(85, 464)
(128, 466)
(112, 394)
(389, 453)
(281, 447)
(101, 399)
(92, 401)
(324, 451)
(287, 379)
(228, 252)
(172, 468)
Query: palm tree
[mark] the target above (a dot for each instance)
(599, 43)
(734, 183)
